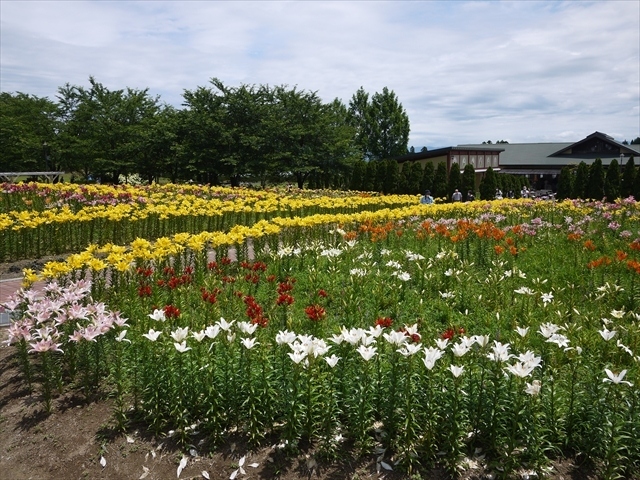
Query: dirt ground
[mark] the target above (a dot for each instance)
(78, 441)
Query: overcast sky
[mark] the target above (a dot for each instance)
(465, 72)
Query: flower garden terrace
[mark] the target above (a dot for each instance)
(38, 219)
(508, 326)
(522, 219)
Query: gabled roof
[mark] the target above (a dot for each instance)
(604, 140)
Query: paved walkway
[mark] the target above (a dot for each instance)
(7, 288)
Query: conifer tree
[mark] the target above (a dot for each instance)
(468, 180)
(357, 175)
(392, 176)
(455, 180)
(612, 181)
(595, 183)
(428, 176)
(370, 173)
(440, 181)
(628, 178)
(488, 185)
(411, 178)
(565, 184)
(580, 182)
(381, 173)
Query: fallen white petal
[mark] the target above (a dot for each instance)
(205, 474)
(241, 461)
(183, 463)
(234, 475)
(254, 465)
(146, 472)
(103, 462)
(129, 439)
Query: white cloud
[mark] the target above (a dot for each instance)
(464, 71)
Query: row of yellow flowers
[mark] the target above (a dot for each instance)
(123, 258)
(163, 207)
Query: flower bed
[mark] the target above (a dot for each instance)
(508, 330)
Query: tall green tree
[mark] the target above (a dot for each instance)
(300, 127)
(411, 178)
(628, 178)
(243, 148)
(389, 125)
(357, 175)
(28, 126)
(370, 181)
(337, 152)
(455, 180)
(381, 124)
(162, 147)
(101, 128)
(428, 176)
(391, 178)
(612, 181)
(359, 117)
(468, 181)
(580, 181)
(595, 183)
(565, 183)
(202, 120)
(488, 185)
(440, 181)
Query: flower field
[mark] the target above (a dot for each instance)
(505, 333)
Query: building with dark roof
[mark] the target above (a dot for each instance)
(541, 162)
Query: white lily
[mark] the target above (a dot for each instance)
(395, 337)
(224, 325)
(409, 349)
(367, 353)
(248, 328)
(332, 361)
(431, 355)
(533, 388)
(607, 334)
(199, 336)
(249, 342)
(121, 335)
(297, 357)
(157, 315)
(616, 378)
(284, 337)
(212, 331)
(180, 334)
(181, 347)
(152, 335)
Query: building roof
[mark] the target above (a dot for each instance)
(438, 152)
(553, 156)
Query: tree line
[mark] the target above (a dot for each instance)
(234, 134)
(597, 182)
